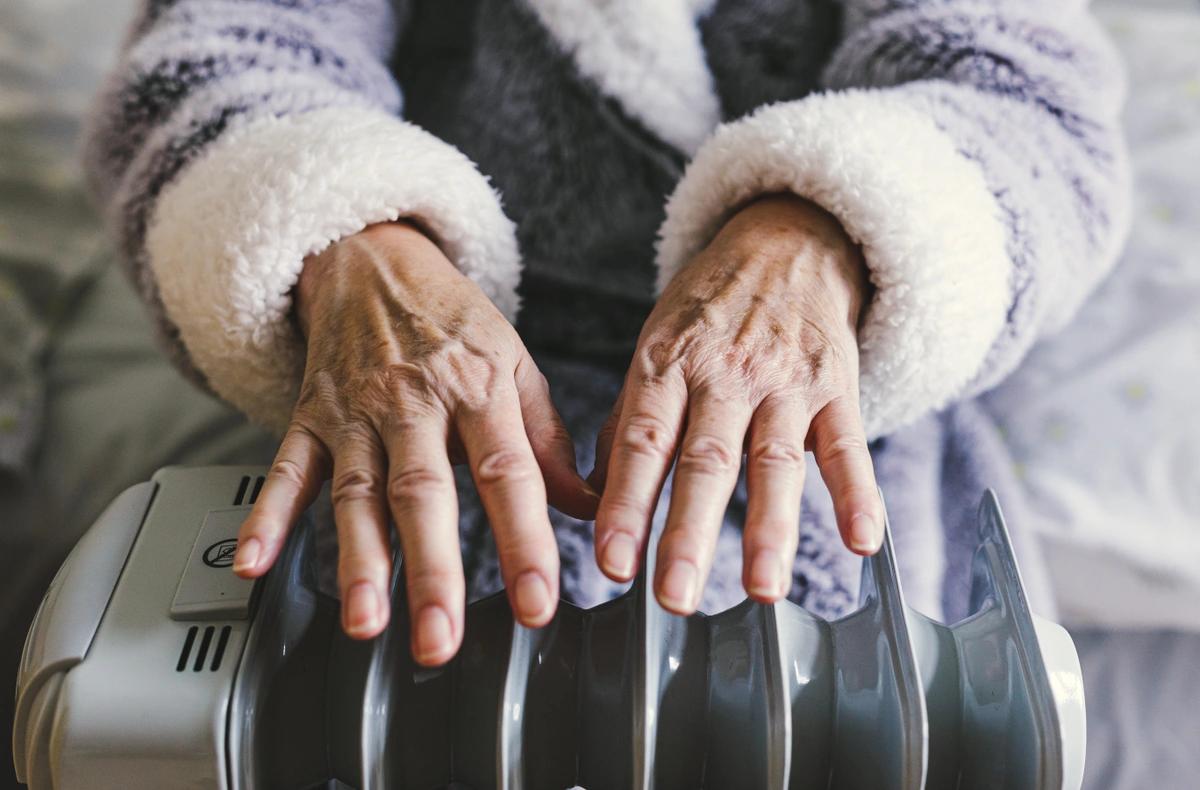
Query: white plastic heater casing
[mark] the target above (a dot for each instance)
(143, 710)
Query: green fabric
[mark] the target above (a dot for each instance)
(22, 338)
(87, 403)
(88, 406)
(116, 410)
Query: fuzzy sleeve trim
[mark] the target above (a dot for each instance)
(228, 237)
(929, 227)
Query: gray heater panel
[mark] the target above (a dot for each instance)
(623, 695)
(628, 695)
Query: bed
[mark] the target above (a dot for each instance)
(1117, 511)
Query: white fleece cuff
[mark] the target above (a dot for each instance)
(228, 237)
(929, 227)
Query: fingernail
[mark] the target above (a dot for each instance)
(766, 574)
(588, 490)
(678, 586)
(247, 555)
(433, 633)
(620, 555)
(865, 535)
(532, 596)
(362, 609)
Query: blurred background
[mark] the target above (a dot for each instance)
(1102, 420)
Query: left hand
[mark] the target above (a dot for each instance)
(752, 348)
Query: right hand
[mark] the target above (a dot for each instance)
(411, 369)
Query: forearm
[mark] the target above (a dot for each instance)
(195, 72)
(191, 72)
(973, 153)
(1031, 92)
(230, 146)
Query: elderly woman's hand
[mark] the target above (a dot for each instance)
(410, 367)
(751, 349)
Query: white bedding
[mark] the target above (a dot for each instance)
(1104, 419)
(1141, 709)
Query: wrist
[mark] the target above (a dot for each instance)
(313, 288)
(786, 229)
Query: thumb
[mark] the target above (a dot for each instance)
(604, 441)
(552, 445)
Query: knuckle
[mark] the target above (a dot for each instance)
(607, 432)
(393, 395)
(682, 545)
(655, 357)
(355, 484)
(531, 558)
(285, 470)
(475, 383)
(850, 496)
(532, 545)
(407, 392)
(843, 447)
(323, 404)
(658, 367)
(528, 372)
(407, 484)
(402, 378)
(362, 565)
(434, 582)
(821, 358)
(740, 356)
(620, 507)
(772, 532)
(258, 526)
(707, 454)
(553, 433)
(777, 453)
(513, 565)
(610, 425)
(503, 464)
(557, 432)
(318, 386)
(603, 536)
(527, 552)
(645, 434)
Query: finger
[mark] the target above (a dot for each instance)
(706, 472)
(598, 477)
(552, 445)
(840, 446)
(643, 445)
(424, 507)
(774, 483)
(293, 482)
(364, 555)
(510, 486)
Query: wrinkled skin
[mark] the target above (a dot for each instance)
(411, 369)
(752, 350)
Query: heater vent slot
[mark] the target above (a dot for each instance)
(219, 652)
(247, 495)
(188, 641)
(197, 654)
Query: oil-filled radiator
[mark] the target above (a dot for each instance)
(150, 665)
